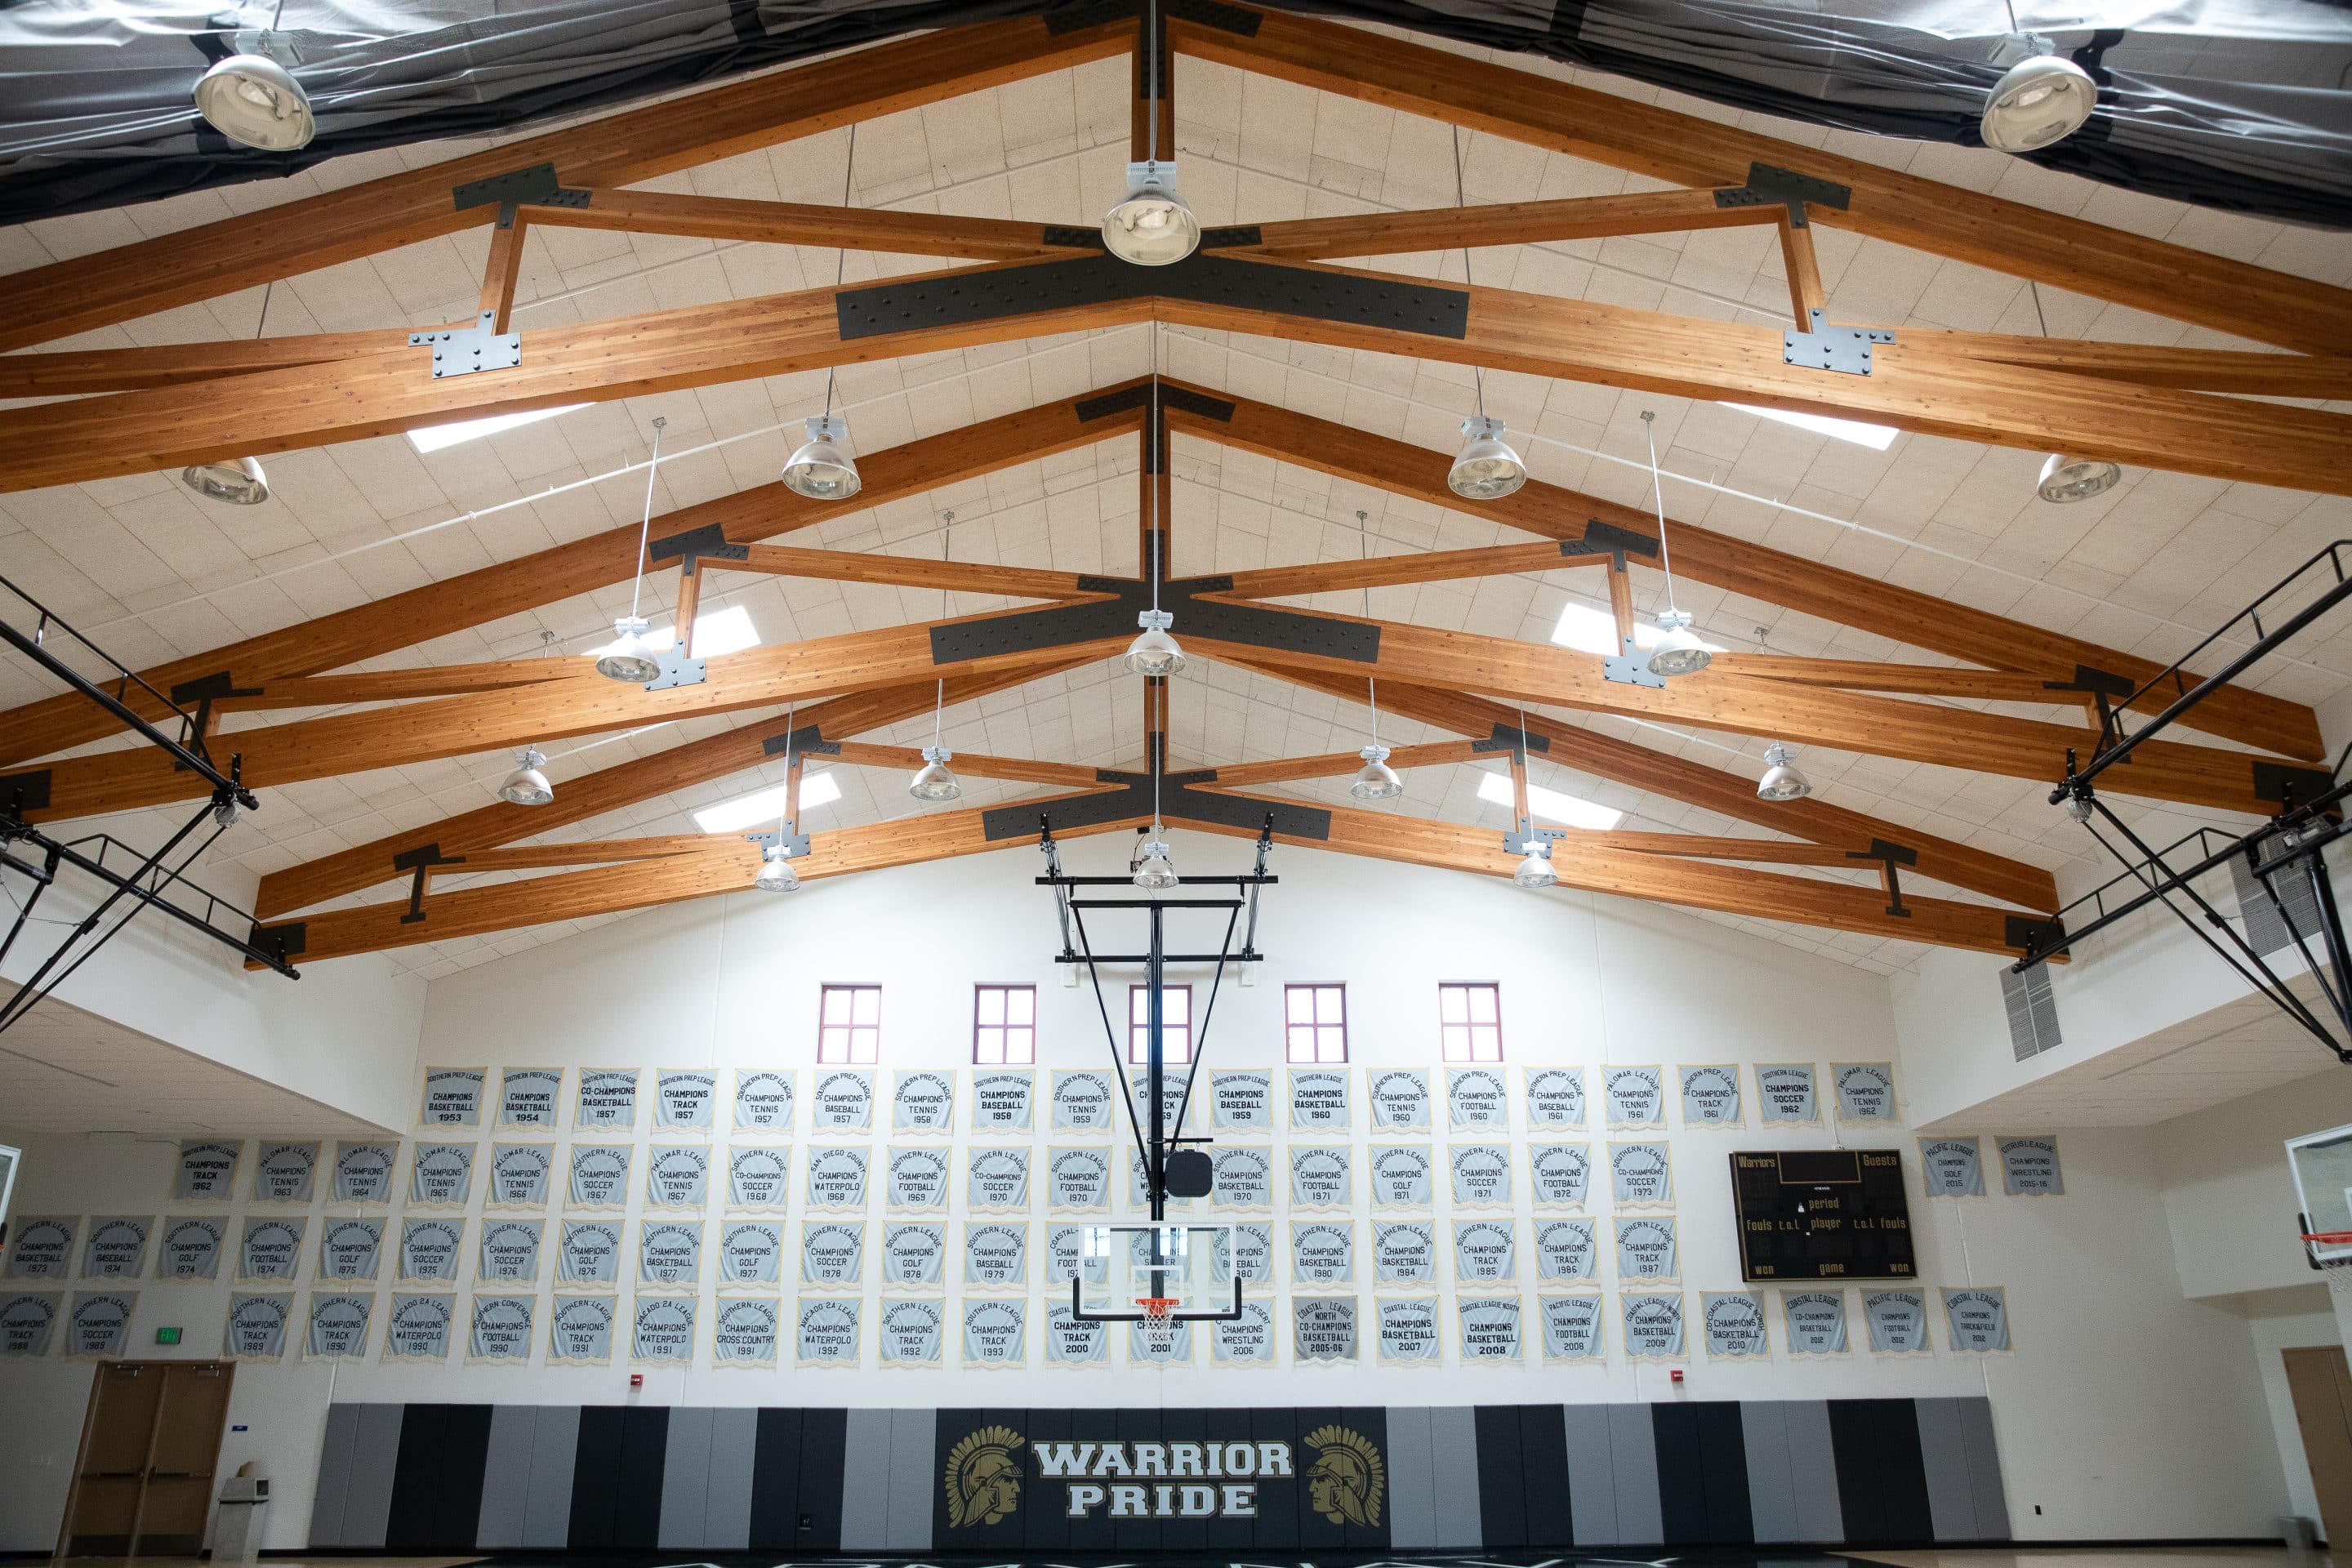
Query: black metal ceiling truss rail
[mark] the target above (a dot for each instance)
(1253, 625)
(1181, 800)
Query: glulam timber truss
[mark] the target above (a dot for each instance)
(96, 413)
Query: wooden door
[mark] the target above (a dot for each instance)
(2321, 1384)
(149, 1448)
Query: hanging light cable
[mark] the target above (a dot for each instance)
(1154, 653)
(1534, 870)
(1678, 650)
(632, 656)
(1782, 779)
(1152, 226)
(2065, 479)
(823, 469)
(240, 483)
(255, 101)
(1488, 468)
(528, 785)
(1375, 779)
(776, 874)
(934, 780)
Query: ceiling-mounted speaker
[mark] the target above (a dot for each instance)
(1190, 1175)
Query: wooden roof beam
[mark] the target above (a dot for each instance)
(1501, 223)
(799, 223)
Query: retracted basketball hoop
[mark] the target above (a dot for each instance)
(2322, 1166)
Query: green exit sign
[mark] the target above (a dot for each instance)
(167, 1336)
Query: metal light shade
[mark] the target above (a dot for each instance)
(933, 781)
(1152, 226)
(1154, 873)
(1536, 871)
(822, 469)
(1782, 780)
(1376, 780)
(2066, 478)
(1678, 651)
(255, 101)
(776, 873)
(632, 657)
(240, 483)
(527, 785)
(1153, 651)
(1486, 468)
(2037, 102)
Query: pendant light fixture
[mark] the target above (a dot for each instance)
(1152, 226)
(632, 656)
(1678, 650)
(2041, 99)
(823, 469)
(1150, 868)
(934, 780)
(1154, 654)
(775, 874)
(255, 101)
(1375, 779)
(528, 785)
(1488, 468)
(1536, 871)
(1782, 780)
(240, 482)
(2066, 478)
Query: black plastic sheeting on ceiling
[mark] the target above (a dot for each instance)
(2242, 105)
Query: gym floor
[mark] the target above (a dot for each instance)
(2096, 1557)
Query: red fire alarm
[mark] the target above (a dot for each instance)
(1673, 1374)
(637, 1379)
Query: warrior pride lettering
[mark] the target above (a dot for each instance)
(1208, 1468)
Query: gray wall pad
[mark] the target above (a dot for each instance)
(329, 1496)
(1984, 1468)
(1943, 1453)
(866, 1482)
(505, 1476)
(1413, 1505)
(686, 1478)
(554, 1447)
(1772, 1490)
(1453, 1475)
(375, 1452)
(1591, 1476)
(914, 1437)
(727, 1514)
(1812, 1470)
(1633, 1456)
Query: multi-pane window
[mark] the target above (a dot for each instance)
(1175, 1025)
(1003, 1025)
(850, 1024)
(1470, 1021)
(1315, 1023)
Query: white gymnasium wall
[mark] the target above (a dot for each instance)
(2093, 1445)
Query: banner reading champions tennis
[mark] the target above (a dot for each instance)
(991, 1474)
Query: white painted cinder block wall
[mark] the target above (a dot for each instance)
(2126, 1410)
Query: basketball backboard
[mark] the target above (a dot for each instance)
(2322, 1164)
(1177, 1263)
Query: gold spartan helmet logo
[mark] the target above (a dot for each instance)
(1344, 1482)
(984, 1478)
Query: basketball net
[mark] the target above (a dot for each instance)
(1159, 1326)
(2338, 1270)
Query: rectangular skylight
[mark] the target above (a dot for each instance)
(1551, 804)
(432, 438)
(1877, 437)
(761, 808)
(1589, 630)
(721, 631)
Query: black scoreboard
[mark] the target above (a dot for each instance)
(1822, 1214)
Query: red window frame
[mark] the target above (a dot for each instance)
(1459, 1040)
(1309, 1042)
(1006, 1035)
(846, 1041)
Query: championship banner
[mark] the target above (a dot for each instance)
(453, 1098)
(338, 1327)
(1400, 1100)
(1319, 1100)
(1560, 1175)
(908, 1334)
(1001, 1102)
(282, 1172)
(1160, 1344)
(1641, 1175)
(751, 1252)
(996, 1179)
(255, 1328)
(1711, 1096)
(1645, 1248)
(190, 1249)
(1073, 1341)
(41, 1248)
(530, 1096)
(272, 1249)
(28, 1322)
(1407, 1331)
(1733, 1322)
(1084, 1101)
(441, 1175)
(917, 1179)
(1490, 1328)
(607, 1101)
(1323, 1252)
(363, 1173)
(764, 1100)
(1814, 1321)
(1404, 1252)
(759, 1178)
(1077, 1180)
(206, 1172)
(1952, 1167)
(744, 1333)
(1400, 1176)
(684, 1096)
(98, 1323)
(1477, 1097)
(510, 1252)
(843, 1101)
(518, 1175)
(1319, 1178)
(2028, 1167)
(923, 1102)
(677, 1176)
(429, 1250)
(837, 1178)
(1976, 1318)
(1172, 1080)
(1066, 1260)
(1565, 1249)
(669, 1252)
(832, 1252)
(1865, 1091)
(599, 1176)
(1554, 1096)
(1634, 1097)
(580, 1331)
(1571, 1328)
(1784, 1094)
(1482, 1175)
(1241, 1178)
(661, 1330)
(1897, 1320)
(589, 1252)
(418, 1328)
(1653, 1325)
(1245, 1253)
(116, 1248)
(349, 1249)
(1241, 1102)
(913, 1255)
(1323, 1330)
(825, 1333)
(1243, 1342)
(1486, 1251)
(996, 1253)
